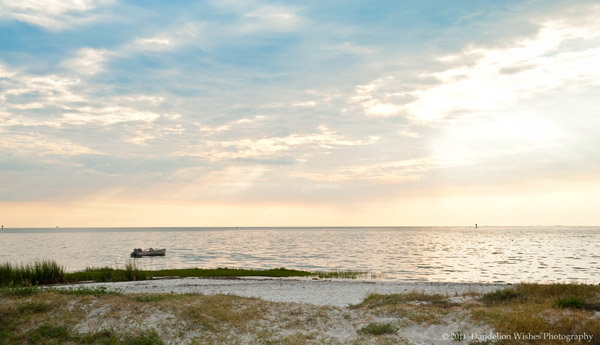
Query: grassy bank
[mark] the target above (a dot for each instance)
(35, 273)
(29, 315)
(49, 272)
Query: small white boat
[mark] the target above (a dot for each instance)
(138, 252)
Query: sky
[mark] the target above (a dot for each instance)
(299, 113)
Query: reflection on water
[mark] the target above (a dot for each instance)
(487, 254)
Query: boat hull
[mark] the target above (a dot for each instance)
(153, 252)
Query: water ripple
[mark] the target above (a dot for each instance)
(488, 254)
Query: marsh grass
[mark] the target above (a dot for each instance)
(347, 274)
(132, 272)
(44, 272)
(34, 273)
(342, 274)
(109, 274)
(229, 272)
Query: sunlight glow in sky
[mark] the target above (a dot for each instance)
(275, 113)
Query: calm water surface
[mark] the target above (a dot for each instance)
(447, 254)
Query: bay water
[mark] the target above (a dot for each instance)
(440, 254)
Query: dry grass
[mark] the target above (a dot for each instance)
(220, 312)
(51, 317)
(417, 307)
(536, 309)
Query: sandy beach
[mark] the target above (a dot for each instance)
(338, 292)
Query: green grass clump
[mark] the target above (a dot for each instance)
(149, 298)
(378, 329)
(110, 337)
(34, 273)
(97, 274)
(106, 336)
(132, 272)
(569, 302)
(85, 291)
(147, 338)
(500, 296)
(21, 291)
(348, 274)
(33, 308)
(44, 333)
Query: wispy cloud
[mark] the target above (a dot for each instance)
(53, 15)
(87, 61)
(41, 146)
(305, 145)
(259, 16)
(184, 35)
(271, 18)
(381, 173)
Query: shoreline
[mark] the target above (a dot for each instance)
(321, 292)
